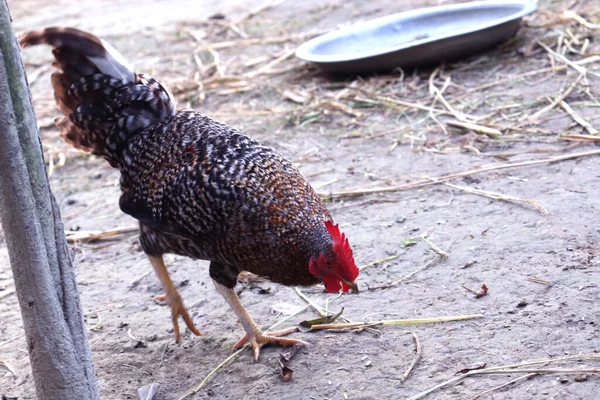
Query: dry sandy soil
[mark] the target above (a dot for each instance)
(350, 139)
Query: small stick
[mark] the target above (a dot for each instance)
(11, 340)
(557, 100)
(90, 236)
(270, 65)
(585, 61)
(394, 322)
(475, 127)
(436, 258)
(6, 293)
(8, 367)
(577, 118)
(570, 14)
(137, 280)
(419, 184)
(468, 289)
(506, 370)
(162, 356)
(314, 305)
(401, 102)
(342, 107)
(438, 94)
(579, 138)
(500, 196)
(257, 10)
(534, 370)
(578, 68)
(538, 281)
(415, 359)
(265, 40)
(520, 378)
(390, 258)
(231, 357)
(439, 251)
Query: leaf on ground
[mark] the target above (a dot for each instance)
(409, 242)
(482, 292)
(305, 326)
(284, 359)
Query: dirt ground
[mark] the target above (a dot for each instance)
(349, 135)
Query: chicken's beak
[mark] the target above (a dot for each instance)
(353, 286)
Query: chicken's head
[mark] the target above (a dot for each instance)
(337, 267)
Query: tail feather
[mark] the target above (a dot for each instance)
(103, 100)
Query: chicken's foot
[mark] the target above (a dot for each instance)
(172, 297)
(254, 335)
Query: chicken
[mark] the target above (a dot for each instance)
(198, 188)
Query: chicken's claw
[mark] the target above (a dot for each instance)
(258, 339)
(178, 309)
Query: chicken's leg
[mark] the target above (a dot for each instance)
(254, 335)
(172, 297)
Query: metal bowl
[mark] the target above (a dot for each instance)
(418, 37)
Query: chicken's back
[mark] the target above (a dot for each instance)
(206, 190)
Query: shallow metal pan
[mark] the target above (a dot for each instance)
(418, 37)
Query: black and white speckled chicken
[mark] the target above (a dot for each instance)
(199, 188)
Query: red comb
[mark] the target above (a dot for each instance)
(342, 249)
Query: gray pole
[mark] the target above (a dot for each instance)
(56, 336)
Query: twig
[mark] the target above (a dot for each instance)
(342, 107)
(577, 118)
(162, 356)
(265, 40)
(415, 359)
(137, 280)
(536, 280)
(8, 368)
(506, 369)
(435, 248)
(400, 102)
(444, 178)
(493, 132)
(579, 138)
(436, 258)
(390, 258)
(11, 340)
(270, 65)
(570, 14)
(394, 322)
(520, 378)
(234, 355)
(213, 372)
(558, 56)
(585, 61)
(90, 236)
(434, 91)
(556, 101)
(6, 293)
(314, 305)
(499, 196)
(535, 371)
(257, 10)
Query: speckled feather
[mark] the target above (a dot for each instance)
(205, 190)
(198, 187)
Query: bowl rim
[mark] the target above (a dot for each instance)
(305, 50)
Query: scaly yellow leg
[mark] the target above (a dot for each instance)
(172, 297)
(254, 335)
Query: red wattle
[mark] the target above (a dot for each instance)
(332, 284)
